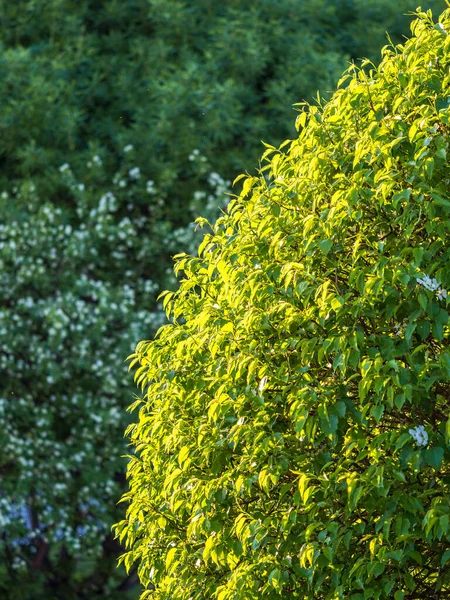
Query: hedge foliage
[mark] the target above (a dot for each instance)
(120, 120)
(293, 438)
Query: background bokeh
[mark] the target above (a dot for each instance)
(120, 122)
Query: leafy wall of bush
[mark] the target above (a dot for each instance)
(119, 121)
(293, 438)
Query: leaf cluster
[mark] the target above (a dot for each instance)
(275, 450)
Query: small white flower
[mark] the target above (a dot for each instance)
(433, 286)
(4, 195)
(81, 187)
(214, 180)
(420, 435)
(194, 154)
(199, 195)
(428, 283)
(134, 173)
(97, 160)
(122, 183)
(64, 167)
(128, 148)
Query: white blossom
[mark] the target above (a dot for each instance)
(420, 435)
(107, 202)
(64, 167)
(194, 154)
(215, 180)
(128, 148)
(433, 286)
(428, 283)
(199, 195)
(134, 173)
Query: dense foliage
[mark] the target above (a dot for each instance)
(120, 120)
(293, 440)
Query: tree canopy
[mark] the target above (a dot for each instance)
(119, 121)
(293, 434)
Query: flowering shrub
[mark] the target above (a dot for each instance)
(72, 308)
(293, 434)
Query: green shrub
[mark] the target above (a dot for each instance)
(120, 120)
(293, 440)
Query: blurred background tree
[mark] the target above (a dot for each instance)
(120, 121)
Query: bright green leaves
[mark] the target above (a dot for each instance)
(307, 555)
(296, 424)
(355, 489)
(306, 490)
(171, 562)
(215, 552)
